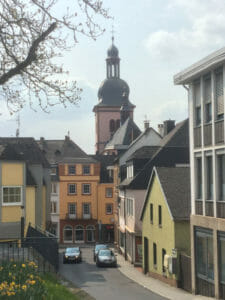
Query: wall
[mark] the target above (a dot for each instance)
(102, 200)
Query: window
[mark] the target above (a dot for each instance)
(117, 123)
(204, 254)
(199, 177)
(151, 213)
(68, 234)
(53, 207)
(222, 256)
(72, 189)
(79, 233)
(109, 192)
(86, 210)
(209, 177)
(86, 170)
(197, 100)
(111, 125)
(71, 170)
(109, 208)
(130, 171)
(154, 255)
(130, 207)
(72, 208)
(90, 231)
(12, 195)
(86, 188)
(163, 258)
(207, 99)
(219, 94)
(53, 171)
(221, 176)
(54, 188)
(160, 215)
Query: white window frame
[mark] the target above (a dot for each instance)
(12, 203)
(84, 172)
(111, 208)
(86, 193)
(54, 207)
(75, 208)
(74, 168)
(69, 184)
(107, 193)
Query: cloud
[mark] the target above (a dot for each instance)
(202, 33)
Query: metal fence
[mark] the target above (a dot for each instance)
(36, 246)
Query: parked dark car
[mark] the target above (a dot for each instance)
(73, 255)
(97, 248)
(106, 257)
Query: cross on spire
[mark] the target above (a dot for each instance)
(113, 31)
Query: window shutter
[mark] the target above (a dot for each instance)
(219, 94)
(207, 90)
(197, 94)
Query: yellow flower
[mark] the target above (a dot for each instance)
(23, 266)
(32, 282)
(10, 274)
(12, 283)
(24, 287)
(1, 268)
(14, 265)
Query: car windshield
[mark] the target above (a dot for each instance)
(98, 247)
(105, 253)
(72, 250)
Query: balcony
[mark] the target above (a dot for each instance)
(71, 216)
(86, 216)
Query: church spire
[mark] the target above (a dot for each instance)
(113, 61)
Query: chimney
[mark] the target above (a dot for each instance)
(146, 124)
(160, 129)
(67, 138)
(168, 125)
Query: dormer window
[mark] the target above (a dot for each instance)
(53, 171)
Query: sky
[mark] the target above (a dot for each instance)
(156, 40)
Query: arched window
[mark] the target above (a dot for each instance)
(117, 123)
(111, 125)
(68, 234)
(79, 233)
(90, 231)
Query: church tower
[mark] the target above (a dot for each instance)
(113, 106)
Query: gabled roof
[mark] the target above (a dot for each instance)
(63, 151)
(124, 135)
(144, 152)
(174, 149)
(22, 149)
(175, 184)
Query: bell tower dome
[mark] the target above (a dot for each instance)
(113, 93)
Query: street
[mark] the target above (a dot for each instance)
(103, 283)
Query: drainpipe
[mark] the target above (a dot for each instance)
(186, 88)
(125, 223)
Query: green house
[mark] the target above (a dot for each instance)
(165, 223)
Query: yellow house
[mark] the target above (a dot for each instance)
(21, 187)
(165, 228)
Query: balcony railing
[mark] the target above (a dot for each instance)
(208, 134)
(198, 207)
(86, 216)
(209, 210)
(197, 137)
(219, 131)
(220, 205)
(71, 216)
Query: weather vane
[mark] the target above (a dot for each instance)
(113, 31)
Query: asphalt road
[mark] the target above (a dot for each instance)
(104, 283)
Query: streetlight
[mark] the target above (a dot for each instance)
(22, 224)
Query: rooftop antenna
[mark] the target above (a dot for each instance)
(18, 125)
(68, 133)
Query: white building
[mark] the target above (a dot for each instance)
(205, 82)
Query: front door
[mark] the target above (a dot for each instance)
(146, 269)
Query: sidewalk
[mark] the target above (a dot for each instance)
(154, 285)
